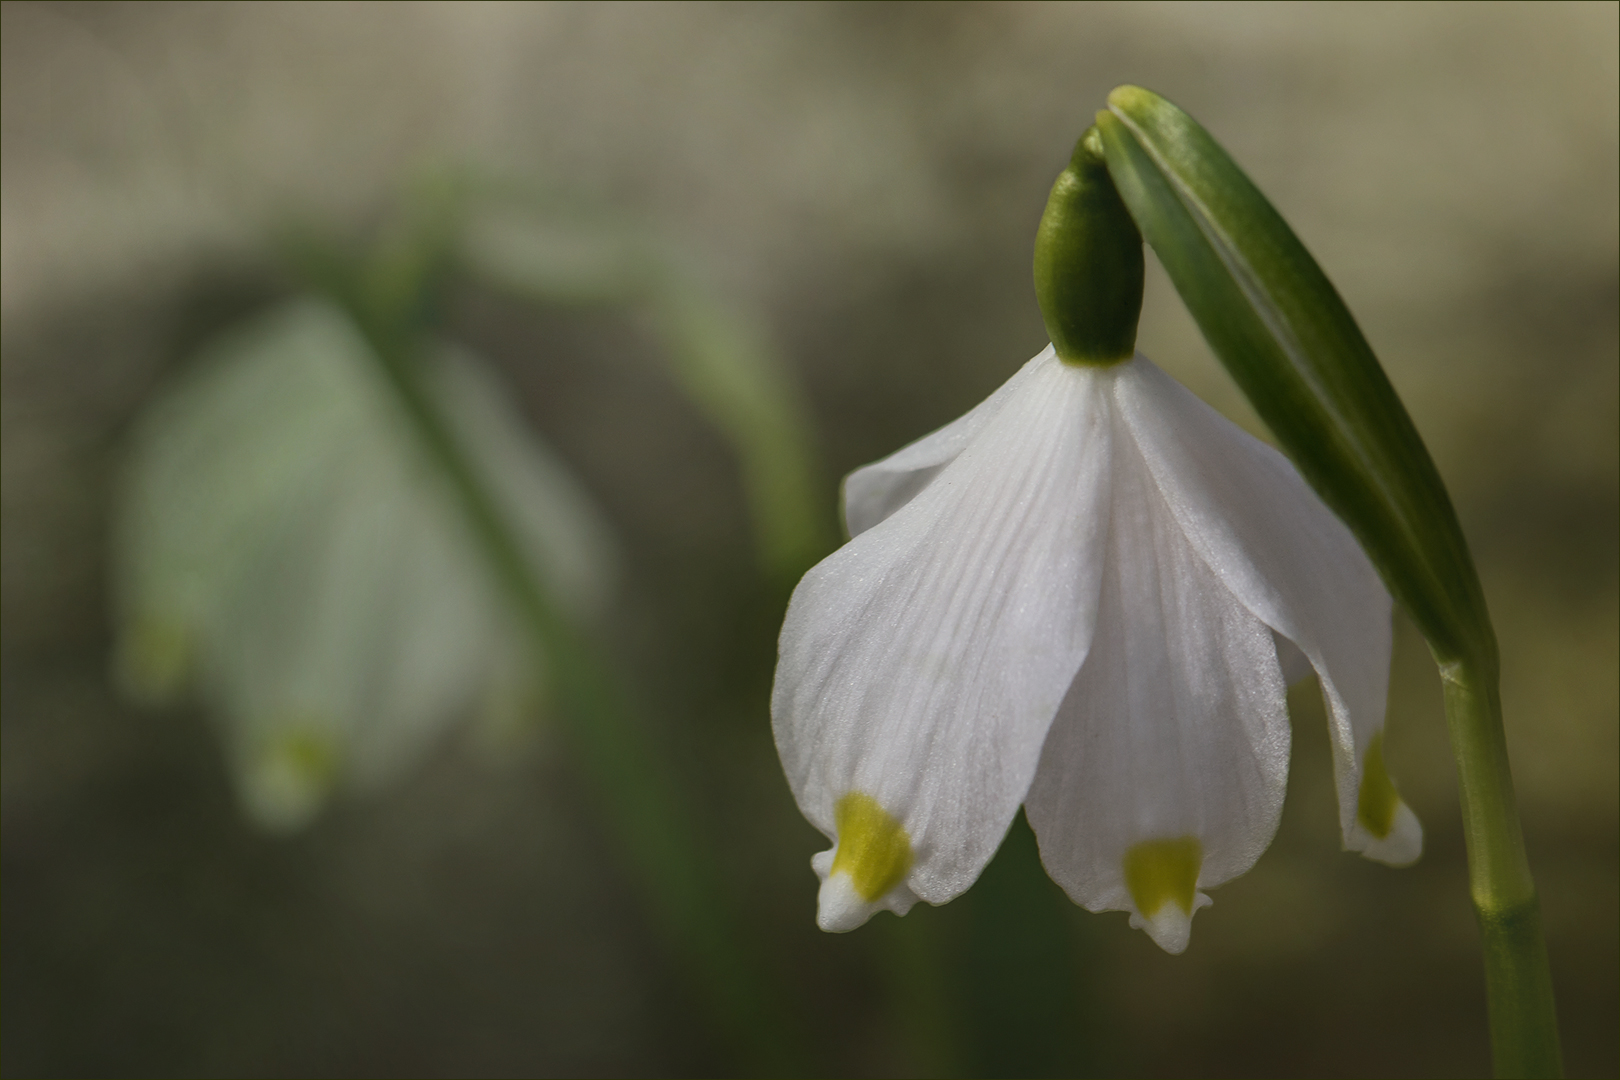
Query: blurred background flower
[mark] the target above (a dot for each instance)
(288, 549)
(865, 180)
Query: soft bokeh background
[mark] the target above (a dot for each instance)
(867, 179)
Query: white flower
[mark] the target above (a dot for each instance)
(1085, 596)
(287, 550)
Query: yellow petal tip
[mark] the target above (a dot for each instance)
(154, 659)
(1385, 829)
(1377, 801)
(288, 783)
(874, 852)
(1162, 877)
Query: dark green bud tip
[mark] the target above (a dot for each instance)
(1088, 263)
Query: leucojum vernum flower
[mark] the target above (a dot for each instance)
(289, 553)
(1087, 597)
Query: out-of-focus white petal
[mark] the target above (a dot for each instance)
(873, 492)
(307, 565)
(571, 546)
(357, 638)
(424, 630)
(1170, 751)
(1291, 562)
(215, 469)
(922, 663)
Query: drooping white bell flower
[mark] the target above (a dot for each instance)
(1086, 596)
(288, 551)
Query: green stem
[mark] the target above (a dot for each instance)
(645, 807)
(1518, 981)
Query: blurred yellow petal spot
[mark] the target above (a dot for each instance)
(1164, 870)
(310, 754)
(872, 847)
(154, 659)
(292, 776)
(1377, 803)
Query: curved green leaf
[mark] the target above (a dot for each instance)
(1278, 325)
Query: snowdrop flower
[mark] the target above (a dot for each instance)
(288, 551)
(1087, 596)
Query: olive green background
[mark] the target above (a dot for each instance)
(867, 179)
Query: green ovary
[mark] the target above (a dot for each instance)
(872, 847)
(1157, 871)
(1377, 802)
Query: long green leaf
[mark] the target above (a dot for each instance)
(1280, 328)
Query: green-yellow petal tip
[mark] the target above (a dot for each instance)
(1164, 871)
(291, 776)
(873, 848)
(154, 659)
(1377, 802)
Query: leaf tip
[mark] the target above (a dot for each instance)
(1127, 97)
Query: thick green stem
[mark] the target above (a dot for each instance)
(1518, 981)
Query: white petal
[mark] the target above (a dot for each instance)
(435, 623)
(922, 663)
(1295, 664)
(554, 517)
(1175, 730)
(238, 445)
(841, 908)
(873, 492)
(1401, 845)
(1291, 562)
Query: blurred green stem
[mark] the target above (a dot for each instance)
(1518, 981)
(647, 811)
